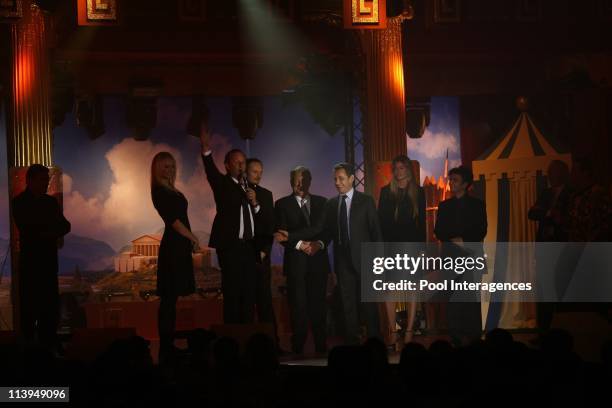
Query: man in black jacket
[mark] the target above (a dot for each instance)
(551, 211)
(552, 206)
(233, 232)
(41, 226)
(305, 262)
(264, 228)
(350, 219)
(462, 219)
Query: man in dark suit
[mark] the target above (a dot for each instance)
(305, 261)
(551, 211)
(233, 232)
(462, 219)
(41, 226)
(552, 206)
(264, 228)
(350, 219)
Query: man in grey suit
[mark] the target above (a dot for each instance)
(350, 219)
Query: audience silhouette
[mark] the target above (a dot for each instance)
(218, 372)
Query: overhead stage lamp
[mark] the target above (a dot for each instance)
(141, 112)
(90, 115)
(199, 116)
(247, 116)
(62, 96)
(417, 117)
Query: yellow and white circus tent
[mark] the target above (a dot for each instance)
(511, 170)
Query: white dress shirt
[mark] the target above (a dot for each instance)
(241, 230)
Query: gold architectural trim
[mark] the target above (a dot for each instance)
(109, 15)
(358, 8)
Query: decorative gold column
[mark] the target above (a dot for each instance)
(384, 104)
(29, 137)
(29, 120)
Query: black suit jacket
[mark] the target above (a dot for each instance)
(290, 217)
(264, 220)
(41, 223)
(228, 199)
(550, 229)
(464, 218)
(363, 225)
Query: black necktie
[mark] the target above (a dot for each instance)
(248, 231)
(343, 221)
(305, 211)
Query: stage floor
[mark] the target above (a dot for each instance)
(589, 330)
(321, 361)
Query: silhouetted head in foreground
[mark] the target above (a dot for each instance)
(37, 179)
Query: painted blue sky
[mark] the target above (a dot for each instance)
(442, 134)
(106, 180)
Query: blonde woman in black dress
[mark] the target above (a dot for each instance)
(401, 211)
(174, 264)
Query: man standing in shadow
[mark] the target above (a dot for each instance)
(461, 225)
(551, 212)
(41, 226)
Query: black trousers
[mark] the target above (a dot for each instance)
(238, 281)
(166, 321)
(354, 310)
(464, 317)
(544, 315)
(263, 293)
(544, 310)
(39, 309)
(306, 290)
(563, 273)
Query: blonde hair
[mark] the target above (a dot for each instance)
(413, 188)
(156, 169)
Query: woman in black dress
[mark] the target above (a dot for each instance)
(401, 210)
(174, 264)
